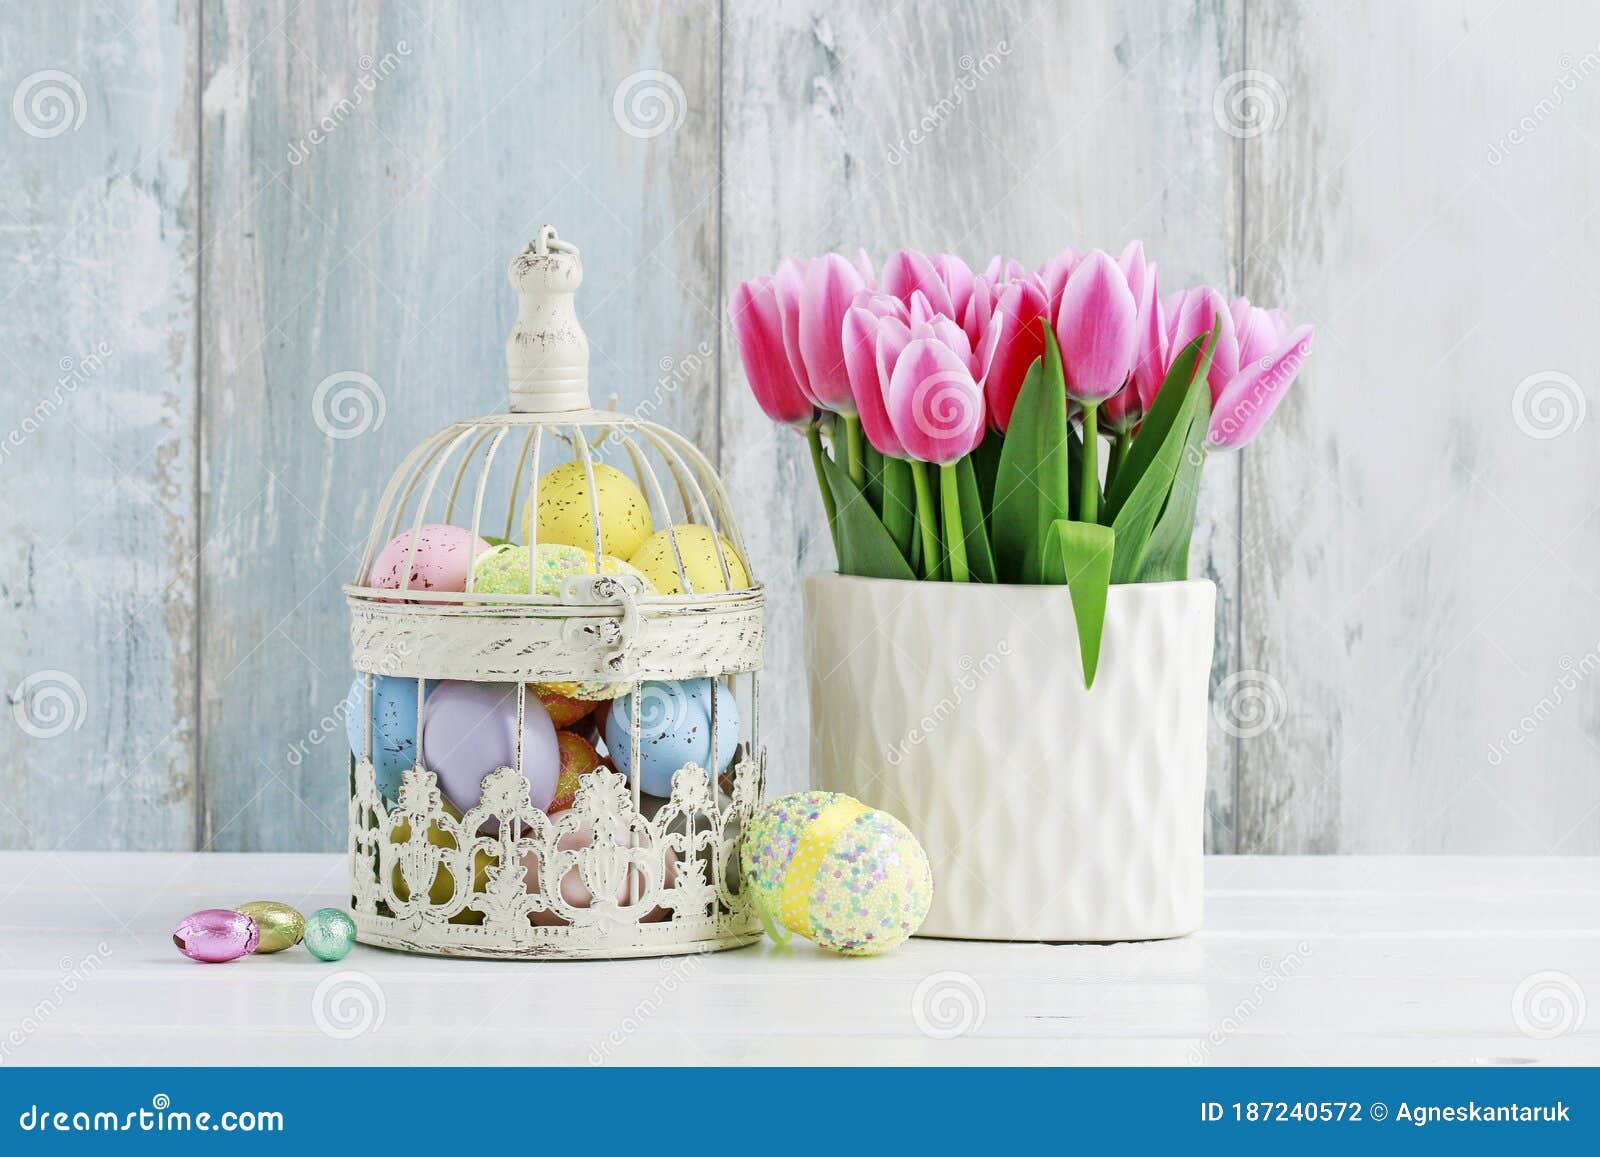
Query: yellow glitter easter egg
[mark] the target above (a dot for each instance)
(827, 867)
(656, 562)
(565, 515)
(503, 570)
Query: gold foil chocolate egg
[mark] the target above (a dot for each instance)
(281, 926)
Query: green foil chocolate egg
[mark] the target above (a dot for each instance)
(281, 926)
(330, 934)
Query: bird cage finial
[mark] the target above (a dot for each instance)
(547, 354)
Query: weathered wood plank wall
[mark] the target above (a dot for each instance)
(1404, 573)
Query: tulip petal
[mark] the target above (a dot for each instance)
(934, 403)
(758, 326)
(1096, 327)
(1249, 398)
(1150, 362)
(908, 271)
(861, 357)
(788, 284)
(1026, 311)
(830, 285)
(1196, 312)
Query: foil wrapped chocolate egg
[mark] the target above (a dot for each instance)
(329, 934)
(216, 935)
(278, 925)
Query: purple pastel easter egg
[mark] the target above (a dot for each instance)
(470, 729)
(216, 935)
(442, 562)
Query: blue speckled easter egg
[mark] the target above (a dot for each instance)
(674, 729)
(394, 727)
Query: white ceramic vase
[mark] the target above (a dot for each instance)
(1049, 812)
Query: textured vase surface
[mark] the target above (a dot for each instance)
(1049, 812)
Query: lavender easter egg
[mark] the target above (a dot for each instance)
(674, 729)
(470, 729)
(394, 727)
(216, 935)
(442, 561)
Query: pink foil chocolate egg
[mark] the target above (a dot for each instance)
(573, 890)
(442, 562)
(216, 935)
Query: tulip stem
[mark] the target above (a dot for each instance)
(954, 537)
(814, 440)
(855, 458)
(1089, 491)
(926, 519)
(1119, 451)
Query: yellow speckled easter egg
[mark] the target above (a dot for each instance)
(565, 515)
(444, 885)
(827, 867)
(503, 570)
(656, 562)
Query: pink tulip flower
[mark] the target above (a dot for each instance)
(1097, 329)
(1125, 410)
(1054, 274)
(758, 326)
(1276, 351)
(943, 279)
(831, 284)
(935, 404)
(1021, 309)
(1193, 312)
(788, 285)
(877, 328)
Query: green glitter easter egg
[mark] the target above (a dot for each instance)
(845, 876)
(503, 570)
(329, 934)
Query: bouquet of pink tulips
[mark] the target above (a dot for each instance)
(965, 412)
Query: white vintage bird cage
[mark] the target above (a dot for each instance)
(470, 658)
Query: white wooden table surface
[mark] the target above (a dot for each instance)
(1354, 960)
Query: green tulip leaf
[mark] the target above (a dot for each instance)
(865, 546)
(1166, 558)
(1080, 555)
(1137, 517)
(1158, 422)
(899, 504)
(980, 560)
(1031, 487)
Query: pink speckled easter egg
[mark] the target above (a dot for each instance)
(216, 935)
(442, 562)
